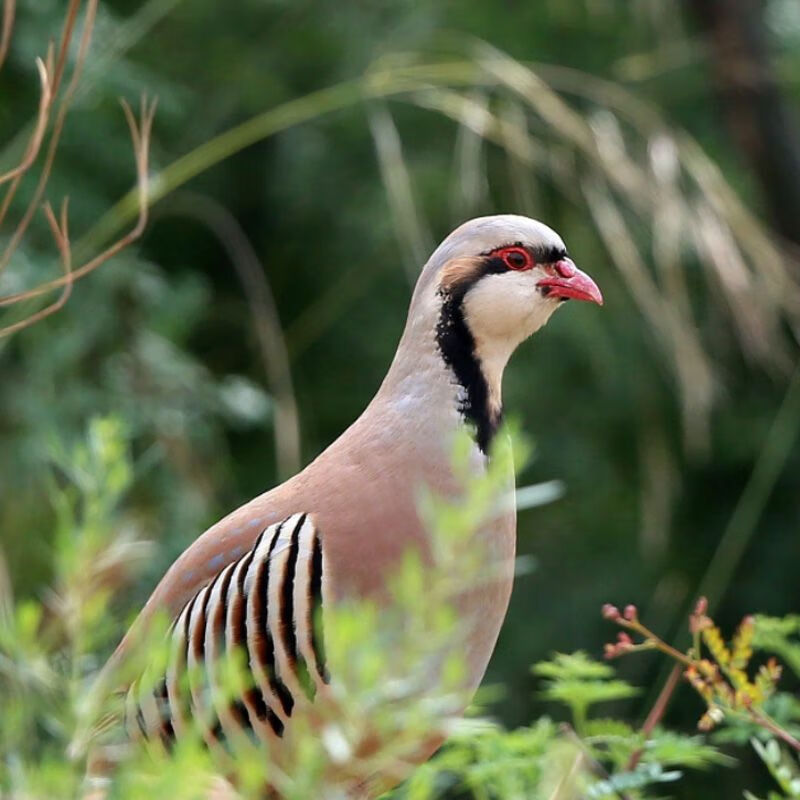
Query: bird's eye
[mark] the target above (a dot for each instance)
(516, 258)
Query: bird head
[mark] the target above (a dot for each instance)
(508, 274)
(489, 285)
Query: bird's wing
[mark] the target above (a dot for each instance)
(265, 606)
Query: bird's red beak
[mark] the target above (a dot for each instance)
(568, 281)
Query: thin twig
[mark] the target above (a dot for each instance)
(595, 765)
(60, 231)
(766, 722)
(55, 137)
(566, 778)
(140, 135)
(56, 74)
(8, 26)
(66, 38)
(656, 713)
(653, 641)
(42, 118)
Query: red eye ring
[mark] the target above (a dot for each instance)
(516, 258)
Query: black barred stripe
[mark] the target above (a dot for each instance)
(288, 621)
(255, 697)
(315, 611)
(263, 651)
(261, 536)
(262, 597)
(237, 709)
(253, 694)
(240, 604)
(134, 716)
(199, 632)
(196, 641)
(264, 646)
(213, 627)
(187, 628)
(221, 613)
(240, 713)
(287, 596)
(165, 712)
(457, 346)
(186, 644)
(178, 653)
(140, 721)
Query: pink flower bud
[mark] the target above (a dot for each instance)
(611, 612)
(701, 607)
(631, 613)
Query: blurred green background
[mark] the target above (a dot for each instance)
(660, 140)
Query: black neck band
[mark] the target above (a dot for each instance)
(457, 346)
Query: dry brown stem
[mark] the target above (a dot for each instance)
(45, 69)
(60, 231)
(52, 71)
(9, 7)
(58, 127)
(140, 136)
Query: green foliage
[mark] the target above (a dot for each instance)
(619, 402)
(580, 683)
(780, 635)
(720, 674)
(488, 762)
(49, 649)
(593, 760)
(783, 768)
(59, 708)
(634, 760)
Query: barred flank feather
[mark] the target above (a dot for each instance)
(266, 607)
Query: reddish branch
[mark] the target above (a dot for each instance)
(657, 713)
(720, 678)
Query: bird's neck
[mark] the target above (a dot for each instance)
(444, 374)
(476, 369)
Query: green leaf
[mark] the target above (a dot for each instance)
(588, 692)
(605, 729)
(576, 665)
(678, 750)
(779, 635)
(644, 775)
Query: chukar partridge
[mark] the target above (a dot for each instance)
(338, 529)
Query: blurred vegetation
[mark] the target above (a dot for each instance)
(256, 316)
(58, 708)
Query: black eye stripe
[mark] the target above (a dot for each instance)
(542, 254)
